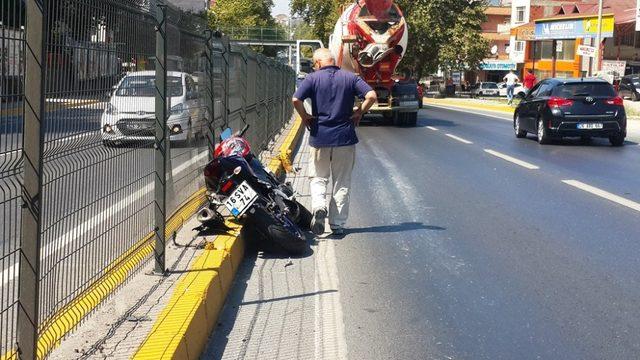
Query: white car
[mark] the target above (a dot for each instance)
(130, 113)
(519, 90)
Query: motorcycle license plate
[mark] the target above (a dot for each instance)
(589, 126)
(241, 199)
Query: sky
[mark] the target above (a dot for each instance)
(280, 7)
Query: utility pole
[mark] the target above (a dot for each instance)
(599, 38)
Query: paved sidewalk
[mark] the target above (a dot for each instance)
(284, 308)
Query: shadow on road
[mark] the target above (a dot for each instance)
(405, 226)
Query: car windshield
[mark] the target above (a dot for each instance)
(144, 86)
(584, 89)
(490, 86)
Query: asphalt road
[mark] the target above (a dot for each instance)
(467, 243)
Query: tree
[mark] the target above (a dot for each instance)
(442, 33)
(226, 14)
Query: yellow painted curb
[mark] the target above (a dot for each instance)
(115, 274)
(17, 111)
(475, 106)
(182, 329)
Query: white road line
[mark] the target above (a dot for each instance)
(432, 128)
(81, 229)
(511, 159)
(459, 139)
(603, 194)
(506, 117)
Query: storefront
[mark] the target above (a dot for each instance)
(552, 46)
(495, 70)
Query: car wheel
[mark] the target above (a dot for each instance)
(543, 133)
(517, 128)
(635, 96)
(617, 140)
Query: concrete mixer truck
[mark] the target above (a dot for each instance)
(370, 39)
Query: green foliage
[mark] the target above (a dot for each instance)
(442, 33)
(227, 14)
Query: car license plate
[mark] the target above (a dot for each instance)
(241, 199)
(408, 103)
(590, 126)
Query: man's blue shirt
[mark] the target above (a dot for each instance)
(332, 92)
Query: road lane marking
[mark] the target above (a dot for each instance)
(454, 108)
(603, 194)
(511, 159)
(459, 139)
(432, 128)
(80, 230)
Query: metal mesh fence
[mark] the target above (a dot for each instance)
(11, 113)
(98, 182)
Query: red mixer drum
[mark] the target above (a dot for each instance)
(370, 39)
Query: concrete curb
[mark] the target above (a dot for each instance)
(182, 329)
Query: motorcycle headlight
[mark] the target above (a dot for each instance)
(111, 110)
(177, 109)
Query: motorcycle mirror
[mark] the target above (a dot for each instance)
(227, 133)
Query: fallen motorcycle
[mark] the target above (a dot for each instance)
(237, 180)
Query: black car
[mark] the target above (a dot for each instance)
(584, 108)
(630, 87)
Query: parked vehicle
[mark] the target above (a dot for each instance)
(585, 108)
(519, 91)
(237, 180)
(485, 89)
(629, 87)
(130, 112)
(406, 101)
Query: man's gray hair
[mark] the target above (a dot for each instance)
(323, 55)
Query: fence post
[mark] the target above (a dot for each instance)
(211, 134)
(32, 144)
(161, 142)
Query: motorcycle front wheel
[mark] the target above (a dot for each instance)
(273, 234)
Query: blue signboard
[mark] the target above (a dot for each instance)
(573, 28)
(498, 66)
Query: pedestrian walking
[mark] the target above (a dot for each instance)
(529, 81)
(511, 80)
(332, 135)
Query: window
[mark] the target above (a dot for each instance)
(520, 14)
(543, 50)
(566, 50)
(519, 46)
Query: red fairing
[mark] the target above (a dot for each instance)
(379, 8)
(233, 146)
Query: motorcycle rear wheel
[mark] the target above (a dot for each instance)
(273, 234)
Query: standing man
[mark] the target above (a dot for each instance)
(529, 81)
(511, 79)
(332, 135)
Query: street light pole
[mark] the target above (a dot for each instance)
(599, 38)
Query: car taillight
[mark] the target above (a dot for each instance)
(557, 102)
(617, 101)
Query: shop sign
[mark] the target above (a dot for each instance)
(492, 65)
(525, 32)
(585, 50)
(612, 70)
(573, 28)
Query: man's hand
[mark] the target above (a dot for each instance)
(307, 120)
(357, 115)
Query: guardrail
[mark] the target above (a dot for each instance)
(109, 112)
